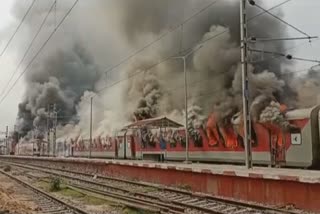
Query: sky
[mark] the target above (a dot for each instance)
(303, 14)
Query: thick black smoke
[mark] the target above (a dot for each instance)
(215, 67)
(59, 79)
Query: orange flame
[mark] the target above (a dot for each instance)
(212, 130)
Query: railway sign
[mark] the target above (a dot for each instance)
(296, 139)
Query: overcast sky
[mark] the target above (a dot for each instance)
(303, 14)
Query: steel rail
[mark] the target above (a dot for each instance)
(51, 197)
(182, 192)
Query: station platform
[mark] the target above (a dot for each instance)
(271, 186)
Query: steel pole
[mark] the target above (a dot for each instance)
(55, 118)
(7, 140)
(186, 106)
(90, 146)
(48, 130)
(245, 88)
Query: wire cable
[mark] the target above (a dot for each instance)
(27, 51)
(41, 48)
(278, 18)
(288, 56)
(160, 37)
(288, 49)
(167, 58)
(17, 29)
(152, 66)
(263, 12)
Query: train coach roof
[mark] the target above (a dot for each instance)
(299, 113)
(158, 122)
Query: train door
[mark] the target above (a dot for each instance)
(125, 145)
(116, 153)
(72, 150)
(133, 147)
(277, 148)
(121, 147)
(129, 145)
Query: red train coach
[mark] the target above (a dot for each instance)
(164, 139)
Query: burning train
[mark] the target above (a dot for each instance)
(140, 88)
(297, 145)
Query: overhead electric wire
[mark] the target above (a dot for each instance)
(151, 66)
(160, 37)
(288, 56)
(288, 49)
(194, 96)
(27, 51)
(263, 12)
(252, 2)
(41, 48)
(266, 39)
(214, 91)
(168, 58)
(18, 27)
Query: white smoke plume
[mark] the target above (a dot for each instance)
(273, 115)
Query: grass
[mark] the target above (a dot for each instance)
(68, 192)
(55, 184)
(7, 168)
(72, 193)
(87, 199)
(91, 200)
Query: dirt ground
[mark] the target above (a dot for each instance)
(13, 198)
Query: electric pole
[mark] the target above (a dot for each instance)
(184, 58)
(48, 129)
(6, 140)
(55, 115)
(90, 146)
(245, 83)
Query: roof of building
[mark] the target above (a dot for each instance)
(158, 122)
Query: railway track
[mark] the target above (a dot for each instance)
(46, 203)
(167, 200)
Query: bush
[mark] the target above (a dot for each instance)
(55, 184)
(7, 168)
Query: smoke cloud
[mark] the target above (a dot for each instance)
(72, 67)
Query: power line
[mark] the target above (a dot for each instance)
(161, 36)
(167, 58)
(210, 93)
(263, 12)
(290, 48)
(154, 65)
(288, 56)
(198, 82)
(16, 30)
(266, 39)
(41, 48)
(252, 2)
(27, 51)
